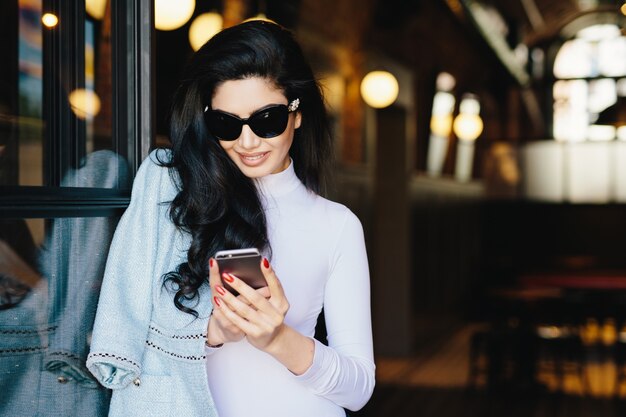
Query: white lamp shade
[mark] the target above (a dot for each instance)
(203, 28)
(172, 14)
(379, 89)
(468, 126)
(441, 125)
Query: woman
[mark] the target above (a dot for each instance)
(250, 149)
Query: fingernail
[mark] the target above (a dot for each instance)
(211, 263)
(228, 278)
(216, 301)
(266, 263)
(220, 289)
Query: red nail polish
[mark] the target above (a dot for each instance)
(266, 263)
(228, 278)
(220, 290)
(211, 263)
(216, 301)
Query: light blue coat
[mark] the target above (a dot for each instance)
(147, 351)
(44, 339)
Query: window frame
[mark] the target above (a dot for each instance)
(133, 111)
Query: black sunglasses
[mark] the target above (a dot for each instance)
(265, 123)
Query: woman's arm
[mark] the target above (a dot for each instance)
(343, 372)
(125, 304)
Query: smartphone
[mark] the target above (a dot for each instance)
(245, 264)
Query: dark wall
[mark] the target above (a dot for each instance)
(534, 237)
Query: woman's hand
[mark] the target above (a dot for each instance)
(261, 318)
(220, 329)
(260, 315)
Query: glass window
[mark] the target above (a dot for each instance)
(56, 101)
(50, 277)
(589, 70)
(75, 122)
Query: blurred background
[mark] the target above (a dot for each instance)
(482, 143)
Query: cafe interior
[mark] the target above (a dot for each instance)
(482, 144)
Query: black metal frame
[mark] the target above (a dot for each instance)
(133, 78)
(133, 111)
(51, 202)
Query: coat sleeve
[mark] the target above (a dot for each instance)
(125, 303)
(343, 371)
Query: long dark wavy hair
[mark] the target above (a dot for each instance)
(217, 204)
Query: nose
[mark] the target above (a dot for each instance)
(247, 139)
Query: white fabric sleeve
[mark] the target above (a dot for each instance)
(125, 304)
(343, 371)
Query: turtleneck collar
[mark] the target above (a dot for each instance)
(276, 185)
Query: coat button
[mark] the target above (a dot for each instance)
(137, 381)
(62, 380)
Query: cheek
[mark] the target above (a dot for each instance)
(226, 146)
(286, 144)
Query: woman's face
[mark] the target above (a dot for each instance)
(255, 156)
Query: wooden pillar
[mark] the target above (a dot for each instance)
(391, 278)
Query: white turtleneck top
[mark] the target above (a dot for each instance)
(318, 253)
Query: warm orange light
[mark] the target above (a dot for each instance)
(468, 126)
(260, 16)
(84, 103)
(172, 14)
(441, 124)
(623, 9)
(379, 89)
(203, 28)
(443, 105)
(49, 20)
(96, 8)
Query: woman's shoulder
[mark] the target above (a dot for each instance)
(157, 160)
(334, 212)
(154, 179)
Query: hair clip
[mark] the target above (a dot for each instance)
(293, 106)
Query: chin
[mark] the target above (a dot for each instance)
(255, 172)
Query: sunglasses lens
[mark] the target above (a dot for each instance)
(270, 122)
(266, 123)
(223, 126)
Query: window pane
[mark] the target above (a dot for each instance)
(56, 99)
(571, 117)
(612, 56)
(574, 59)
(50, 276)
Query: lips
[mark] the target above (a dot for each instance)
(253, 159)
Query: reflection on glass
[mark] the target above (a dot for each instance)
(25, 137)
(48, 298)
(50, 276)
(28, 138)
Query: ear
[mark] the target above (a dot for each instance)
(298, 120)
